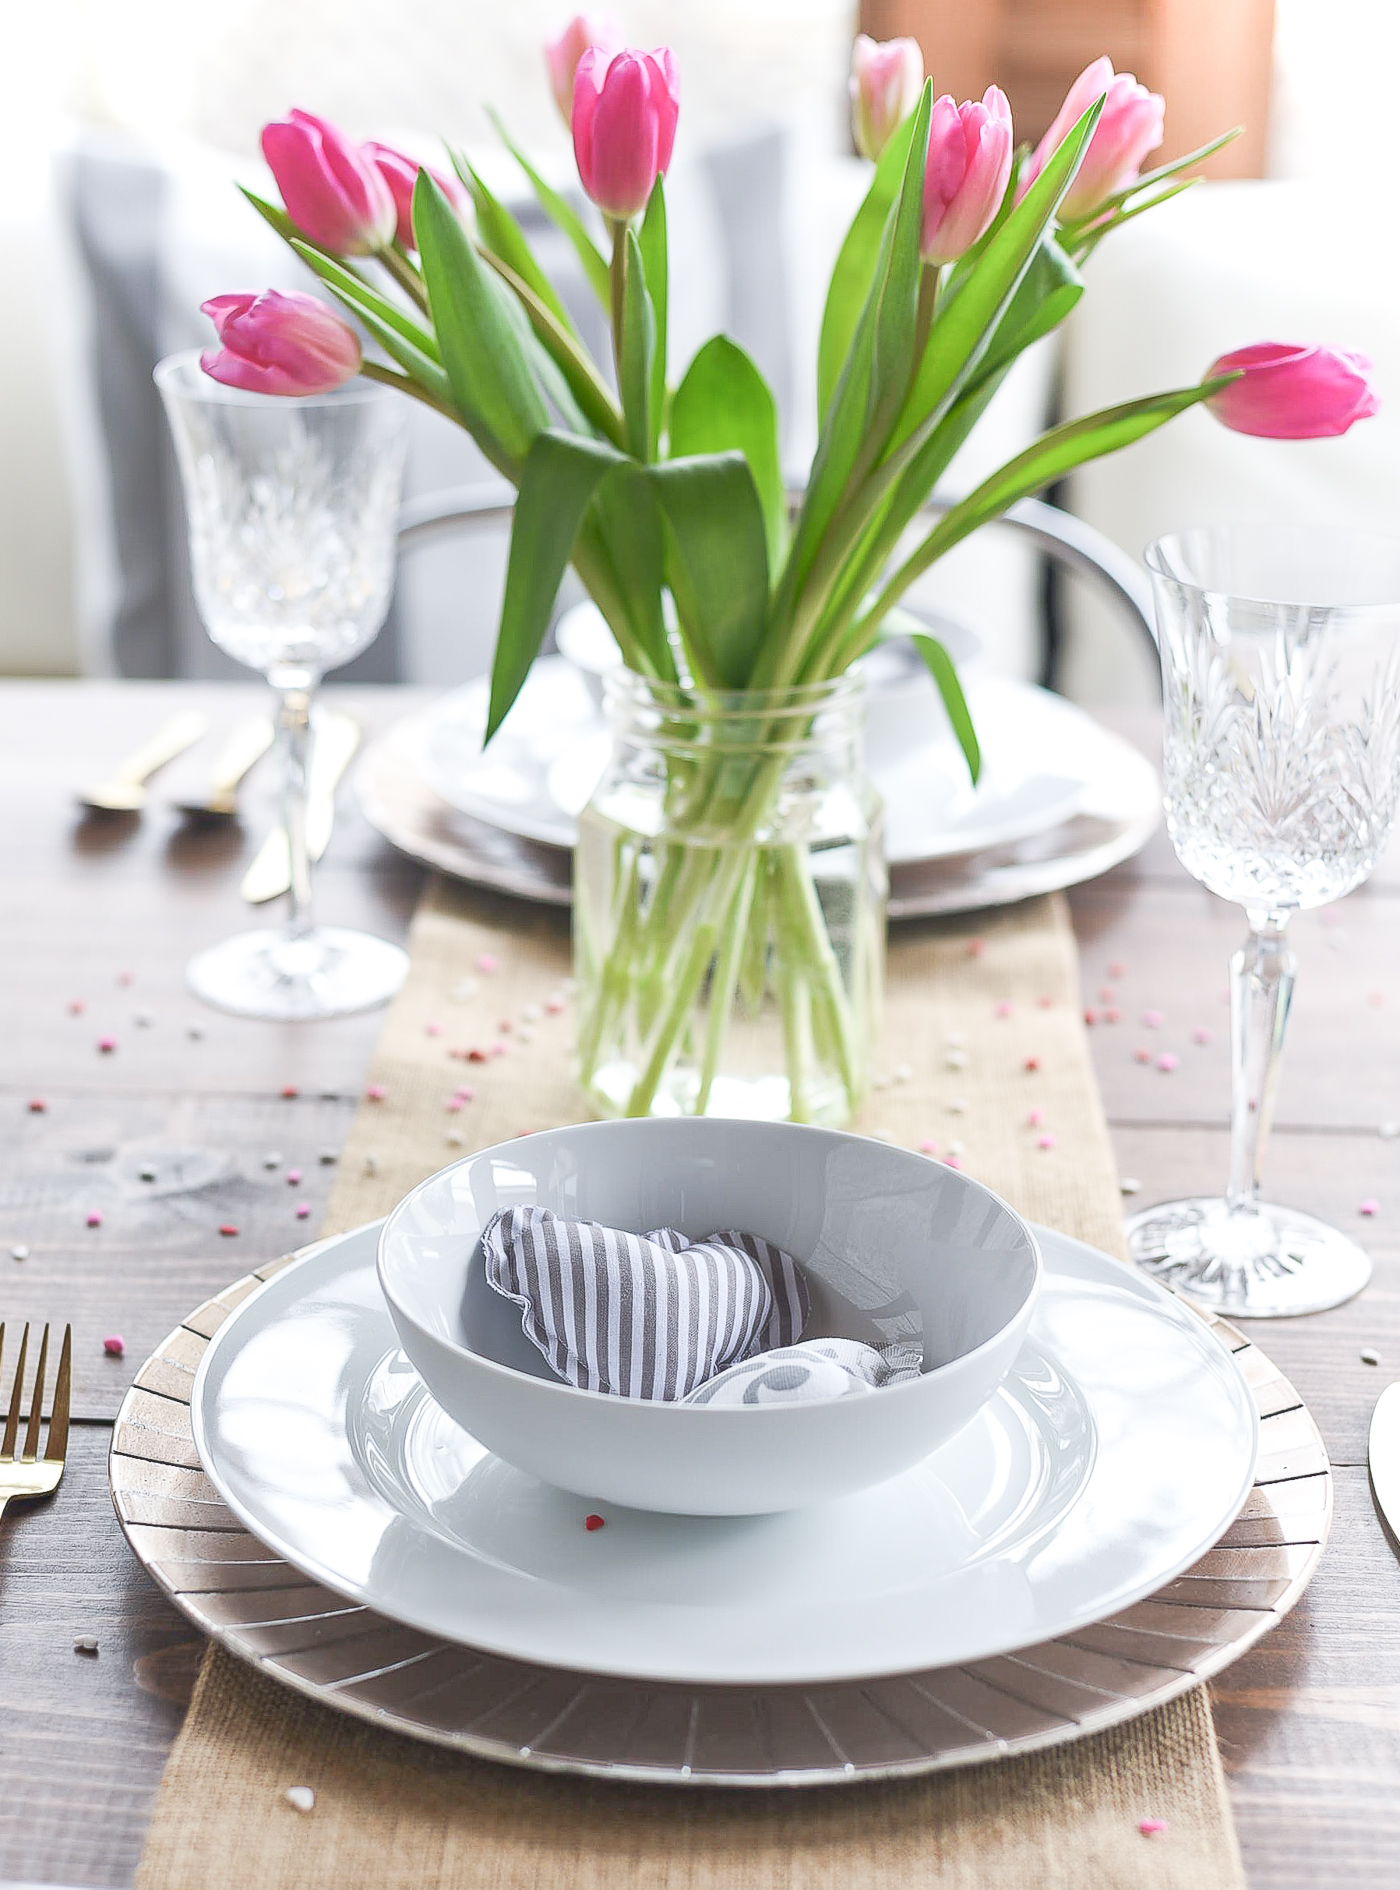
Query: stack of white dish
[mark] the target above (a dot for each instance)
(1078, 1437)
(1060, 798)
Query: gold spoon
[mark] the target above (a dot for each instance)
(123, 792)
(246, 745)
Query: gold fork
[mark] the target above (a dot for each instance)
(29, 1474)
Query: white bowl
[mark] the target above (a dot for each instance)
(886, 1238)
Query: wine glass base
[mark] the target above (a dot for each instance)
(330, 972)
(1261, 1263)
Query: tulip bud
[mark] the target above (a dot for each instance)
(966, 174)
(887, 77)
(279, 344)
(1288, 392)
(624, 122)
(334, 193)
(400, 173)
(563, 52)
(1130, 125)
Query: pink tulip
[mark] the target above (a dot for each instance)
(1129, 126)
(1289, 392)
(334, 193)
(625, 111)
(279, 344)
(400, 173)
(887, 77)
(965, 178)
(563, 52)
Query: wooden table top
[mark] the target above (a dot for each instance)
(106, 911)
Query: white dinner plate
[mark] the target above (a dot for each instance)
(537, 776)
(1120, 1448)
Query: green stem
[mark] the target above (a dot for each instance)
(724, 981)
(390, 377)
(395, 260)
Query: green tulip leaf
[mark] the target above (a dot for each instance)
(945, 679)
(563, 215)
(717, 562)
(855, 265)
(637, 352)
(402, 338)
(558, 480)
(623, 530)
(478, 325)
(502, 235)
(724, 405)
(651, 240)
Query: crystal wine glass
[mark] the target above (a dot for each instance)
(1280, 652)
(293, 509)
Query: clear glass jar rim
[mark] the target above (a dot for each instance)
(630, 686)
(180, 374)
(1340, 538)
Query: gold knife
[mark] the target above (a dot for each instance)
(123, 792)
(246, 745)
(335, 737)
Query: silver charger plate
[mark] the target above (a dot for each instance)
(349, 1658)
(1116, 816)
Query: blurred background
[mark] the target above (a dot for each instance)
(124, 124)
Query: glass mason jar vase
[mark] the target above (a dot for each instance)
(729, 905)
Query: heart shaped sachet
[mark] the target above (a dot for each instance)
(641, 1315)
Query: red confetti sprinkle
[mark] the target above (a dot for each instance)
(486, 962)
(1117, 969)
(499, 1049)
(303, 1209)
(1046, 1141)
(1032, 1063)
(433, 1030)
(1036, 1117)
(1200, 1034)
(375, 1092)
(293, 1177)
(976, 947)
(106, 1045)
(124, 977)
(465, 1093)
(1111, 1016)
(1166, 1063)
(454, 1103)
(76, 1007)
(1331, 916)
(928, 1146)
(1004, 1008)
(228, 1230)
(1149, 1827)
(1142, 1056)
(554, 1006)
(478, 1056)
(37, 1106)
(505, 1026)
(1091, 1016)
(1377, 998)
(1369, 1206)
(289, 1090)
(1107, 994)
(1152, 1019)
(114, 1345)
(94, 1219)
(951, 1161)
(591, 1523)
(1046, 1003)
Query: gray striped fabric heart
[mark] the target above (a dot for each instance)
(817, 1368)
(641, 1315)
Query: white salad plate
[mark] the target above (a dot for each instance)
(544, 762)
(1119, 1449)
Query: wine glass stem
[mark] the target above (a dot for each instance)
(294, 729)
(1261, 990)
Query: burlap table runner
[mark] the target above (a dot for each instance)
(982, 1027)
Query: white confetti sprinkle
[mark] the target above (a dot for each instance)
(880, 1082)
(371, 1165)
(532, 1013)
(19, 1252)
(569, 986)
(148, 1174)
(300, 1797)
(883, 1135)
(143, 1020)
(85, 1644)
(957, 1107)
(272, 1160)
(956, 1039)
(525, 1034)
(196, 1033)
(461, 991)
(957, 1148)
(957, 1059)
(903, 1072)
(1389, 1131)
(1129, 1184)
(456, 1141)
(1368, 1357)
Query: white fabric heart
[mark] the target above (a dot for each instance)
(641, 1315)
(817, 1368)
